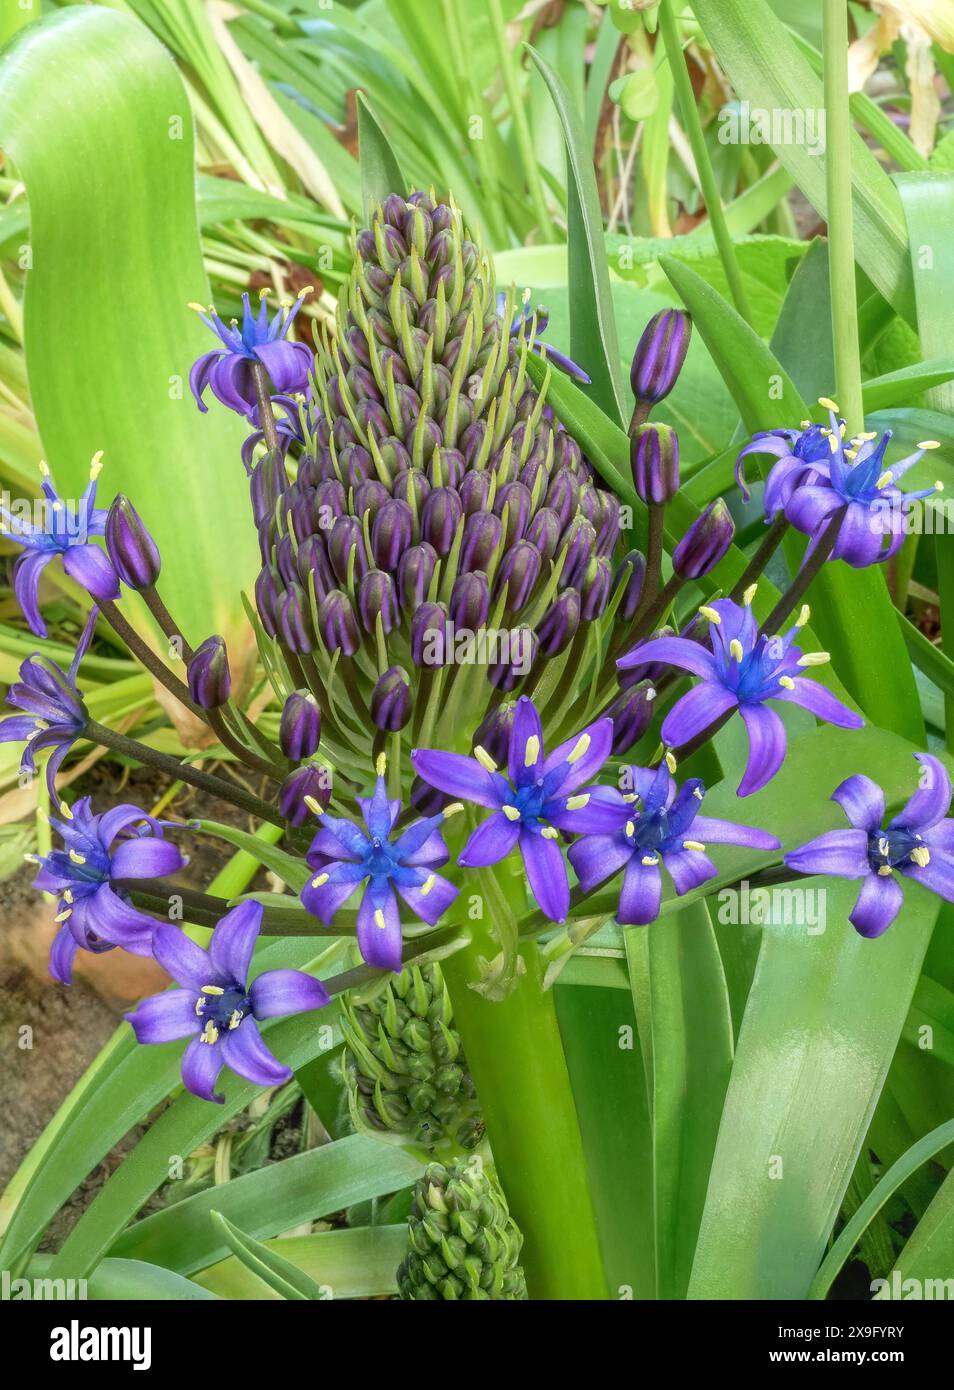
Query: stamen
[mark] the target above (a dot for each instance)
(320, 881)
(485, 760)
(649, 860)
(670, 760)
(885, 870)
(930, 444)
(736, 649)
(511, 812)
(698, 793)
(199, 308)
(921, 856)
(65, 811)
(549, 832)
(427, 885)
(32, 858)
(199, 1006)
(236, 1018)
(938, 485)
(884, 846)
(96, 465)
(62, 916)
(212, 989)
(886, 478)
(576, 803)
(828, 403)
(209, 1034)
(786, 682)
(582, 744)
(749, 595)
(804, 616)
(693, 844)
(77, 858)
(313, 806)
(381, 766)
(452, 810)
(379, 918)
(865, 436)
(68, 895)
(711, 614)
(814, 659)
(532, 751)
(630, 829)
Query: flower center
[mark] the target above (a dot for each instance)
(889, 849)
(222, 1008)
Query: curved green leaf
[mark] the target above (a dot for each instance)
(361, 1263)
(380, 171)
(273, 1269)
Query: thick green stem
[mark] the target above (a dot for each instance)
(515, 1054)
(841, 247)
(689, 114)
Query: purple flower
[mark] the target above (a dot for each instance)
(521, 326)
(65, 531)
(743, 669)
(918, 842)
(228, 370)
(659, 355)
(542, 797)
(99, 850)
(217, 1007)
(820, 473)
(55, 714)
(344, 855)
(658, 826)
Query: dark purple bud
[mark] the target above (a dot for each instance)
(446, 468)
(566, 452)
(474, 491)
(632, 573)
(411, 486)
(415, 571)
(651, 671)
(558, 626)
(300, 729)
(524, 645)
(493, 735)
(632, 714)
(377, 598)
(294, 628)
(267, 483)
(312, 560)
(514, 503)
(439, 517)
(472, 441)
(337, 624)
(395, 457)
(544, 532)
(286, 560)
(391, 533)
(355, 463)
(268, 593)
(563, 495)
(595, 588)
(608, 523)
(705, 543)
(429, 635)
(370, 497)
(391, 700)
(654, 459)
(210, 680)
(482, 533)
(133, 551)
(659, 355)
(313, 782)
(577, 546)
(346, 538)
(519, 570)
(427, 800)
(470, 601)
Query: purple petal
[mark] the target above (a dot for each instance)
(940, 836)
(62, 954)
(201, 1064)
(598, 857)
(181, 958)
(434, 903)
(231, 381)
(641, 894)
(165, 1017)
(588, 765)
(244, 1051)
(761, 444)
(323, 900)
(862, 802)
(91, 567)
(672, 651)
(605, 812)
(877, 905)
(199, 375)
(932, 800)
(26, 581)
(380, 945)
(695, 711)
(688, 868)
(145, 857)
(286, 992)
(120, 818)
(17, 728)
(841, 853)
(458, 776)
(233, 941)
(546, 872)
(118, 922)
(286, 364)
(492, 841)
(820, 702)
(810, 506)
(938, 875)
(527, 730)
(766, 747)
(711, 831)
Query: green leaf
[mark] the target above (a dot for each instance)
(130, 1281)
(288, 867)
(360, 1263)
(927, 657)
(928, 1257)
(106, 154)
(273, 1269)
(593, 342)
(380, 171)
(928, 200)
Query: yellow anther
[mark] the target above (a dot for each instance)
(313, 806)
(579, 748)
(57, 506)
(65, 811)
(630, 796)
(786, 682)
(938, 486)
(866, 435)
(649, 860)
(452, 810)
(263, 292)
(804, 616)
(576, 803)
(749, 595)
(527, 295)
(886, 478)
(68, 895)
(235, 1019)
(62, 916)
(883, 846)
(200, 1006)
(212, 989)
(814, 659)
(670, 760)
(828, 403)
(485, 760)
(832, 443)
(885, 870)
(693, 844)
(736, 649)
(532, 751)
(381, 765)
(209, 1034)
(921, 856)
(199, 308)
(96, 465)
(851, 455)
(77, 858)
(804, 424)
(32, 858)
(630, 828)
(44, 468)
(549, 833)
(427, 885)
(930, 444)
(511, 812)
(711, 614)
(40, 725)
(379, 919)
(320, 881)
(698, 793)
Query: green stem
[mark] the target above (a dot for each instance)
(689, 113)
(515, 1054)
(841, 248)
(756, 566)
(263, 395)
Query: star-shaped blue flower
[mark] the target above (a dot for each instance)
(227, 370)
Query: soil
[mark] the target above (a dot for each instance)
(51, 1033)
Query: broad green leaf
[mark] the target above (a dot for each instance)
(380, 171)
(106, 154)
(593, 341)
(291, 870)
(360, 1263)
(285, 1278)
(130, 1281)
(928, 1257)
(928, 200)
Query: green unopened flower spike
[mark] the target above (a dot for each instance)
(464, 1244)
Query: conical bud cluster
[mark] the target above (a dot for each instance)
(463, 1242)
(403, 1065)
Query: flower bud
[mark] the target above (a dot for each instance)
(344, 539)
(470, 601)
(632, 714)
(391, 700)
(524, 646)
(654, 458)
(429, 635)
(519, 571)
(133, 551)
(576, 548)
(300, 729)
(415, 572)
(313, 782)
(493, 735)
(337, 624)
(376, 598)
(482, 532)
(294, 627)
(391, 533)
(595, 588)
(427, 800)
(440, 514)
(632, 574)
(659, 355)
(563, 495)
(268, 481)
(544, 532)
(268, 595)
(210, 681)
(705, 543)
(558, 626)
